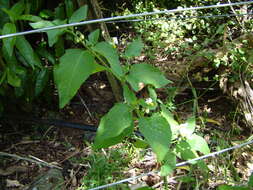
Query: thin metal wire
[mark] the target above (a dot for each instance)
(180, 18)
(122, 17)
(177, 165)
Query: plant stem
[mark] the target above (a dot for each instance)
(165, 183)
(116, 88)
(188, 101)
(2, 62)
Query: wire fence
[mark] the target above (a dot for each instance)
(177, 165)
(122, 18)
(119, 19)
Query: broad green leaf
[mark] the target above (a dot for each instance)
(184, 150)
(188, 127)
(79, 15)
(59, 47)
(26, 87)
(46, 14)
(169, 164)
(10, 14)
(27, 52)
(9, 59)
(15, 11)
(25, 84)
(229, 187)
(129, 96)
(114, 126)
(15, 73)
(60, 11)
(186, 179)
(220, 29)
(41, 81)
(41, 24)
(93, 37)
(105, 49)
(203, 167)
(152, 93)
(31, 18)
(172, 122)
(157, 132)
(69, 7)
(98, 68)
(14, 66)
(22, 60)
(9, 43)
(18, 8)
(139, 143)
(4, 17)
(198, 143)
(3, 76)
(13, 79)
(134, 49)
(146, 74)
(37, 60)
(53, 35)
(76, 65)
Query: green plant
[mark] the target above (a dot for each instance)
(176, 35)
(166, 137)
(243, 187)
(152, 116)
(23, 74)
(25, 66)
(68, 57)
(106, 169)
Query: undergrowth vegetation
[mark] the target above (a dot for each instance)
(189, 48)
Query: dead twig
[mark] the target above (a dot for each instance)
(30, 160)
(21, 143)
(237, 18)
(73, 175)
(72, 155)
(84, 104)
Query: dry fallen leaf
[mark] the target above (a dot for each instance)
(13, 183)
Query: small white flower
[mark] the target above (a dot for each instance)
(148, 101)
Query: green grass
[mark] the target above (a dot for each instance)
(107, 167)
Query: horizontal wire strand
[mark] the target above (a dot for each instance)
(120, 18)
(177, 165)
(179, 18)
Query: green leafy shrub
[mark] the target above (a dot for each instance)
(26, 67)
(106, 169)
(26, 75)
(23, 74)
(185, 32)
(243, 187)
